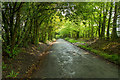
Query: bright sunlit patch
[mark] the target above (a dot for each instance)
(32, 53)
(86, 53)
(74, 54)
(38, 51)
(57, 42)
(41, 54)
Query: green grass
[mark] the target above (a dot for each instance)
(71, 40)
(111, 57)
(12, 74)
(4, 66)
(67, 39)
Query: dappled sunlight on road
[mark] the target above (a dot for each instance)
(57, 42)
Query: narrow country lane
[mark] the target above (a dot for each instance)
(68, 61)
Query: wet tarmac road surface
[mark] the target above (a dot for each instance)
(68, 61)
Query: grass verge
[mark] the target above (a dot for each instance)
(114, 58)
(71, 40)
(110, 57)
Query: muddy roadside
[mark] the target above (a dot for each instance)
(26, 61)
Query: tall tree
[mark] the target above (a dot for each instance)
(105, 10)
(114, 32)
(110, 14)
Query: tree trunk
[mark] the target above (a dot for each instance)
(104, 22)
(92, 33)
(5, 21)
(114, 32)
(110, 14)
(99, 27)
(77, 34)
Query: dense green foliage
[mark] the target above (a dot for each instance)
(25, 23)
(29, 22)
(92, 20)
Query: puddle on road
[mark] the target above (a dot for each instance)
(65, 60)
(66, 54)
